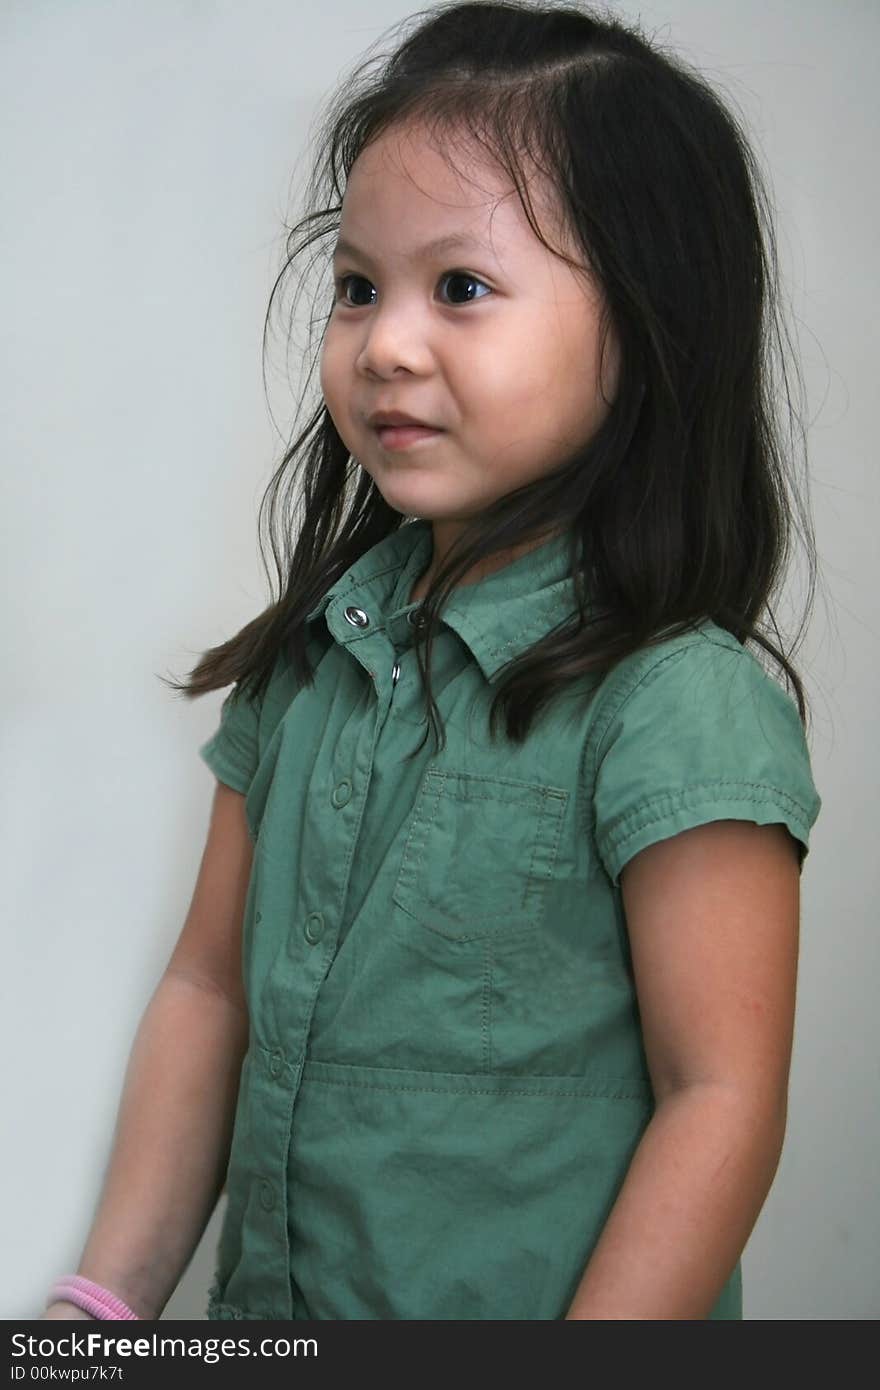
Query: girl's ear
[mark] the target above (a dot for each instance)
(610, 367)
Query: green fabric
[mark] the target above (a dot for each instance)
(446, 1080)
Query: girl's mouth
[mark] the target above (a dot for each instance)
(403, 436)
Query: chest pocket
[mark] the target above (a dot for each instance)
(479, 854)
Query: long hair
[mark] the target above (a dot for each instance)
(682, 504)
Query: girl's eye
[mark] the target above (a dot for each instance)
(461, 275)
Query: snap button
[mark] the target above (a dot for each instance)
(314, 928)
(356, 616)
(341, 793)
(276, 1063)
(415, 617)
(267, 1196)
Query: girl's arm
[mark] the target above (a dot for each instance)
(174, 1128)
(713, 920)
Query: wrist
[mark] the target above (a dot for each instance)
(60, 1308)
(91, 1297)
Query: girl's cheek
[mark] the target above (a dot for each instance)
(329, 378)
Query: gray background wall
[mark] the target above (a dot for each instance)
(145, 171)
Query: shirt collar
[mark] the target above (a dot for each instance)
(498, 617)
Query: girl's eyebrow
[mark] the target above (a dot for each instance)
(428, 248)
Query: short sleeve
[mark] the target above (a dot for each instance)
(704, 734)
(232, 751)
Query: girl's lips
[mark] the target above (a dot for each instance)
(402, 436)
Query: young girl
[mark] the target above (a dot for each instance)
(484, 1005)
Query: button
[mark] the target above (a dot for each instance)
(415, 617)
(341, 793)
(395, 673)
(276, 1063)
(356, 616)
(314, 928)
(267, 1195)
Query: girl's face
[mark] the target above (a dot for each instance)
(494, 340)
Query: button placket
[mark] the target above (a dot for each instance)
(415, 619)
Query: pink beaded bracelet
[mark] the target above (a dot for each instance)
(91, 1297)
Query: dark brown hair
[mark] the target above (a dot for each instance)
(681, 506)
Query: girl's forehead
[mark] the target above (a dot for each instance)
(415, 158)
(407, 172)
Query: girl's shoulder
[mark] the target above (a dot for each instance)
(690, 730)
(704, 653)
(248, 720)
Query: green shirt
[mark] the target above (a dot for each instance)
(445, 1080)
